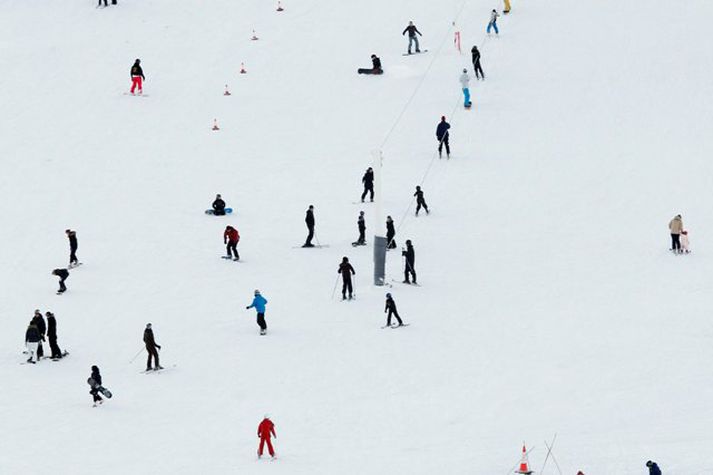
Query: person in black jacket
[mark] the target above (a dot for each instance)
(151, 348)
(52, 336)
(39, 322)
(391, 308)
(137, 77)
(476, 63)
(32, 341)
(653, 468)
(368, 180)
(420, 200)
(375, 66)
(410, 262)
(390, 233)
(309, 221)
(412, 38)
(346, 269)
(442, 137)
(95, 382)
(62, 274)
(218, 206)
(72, 236)
(361, 224)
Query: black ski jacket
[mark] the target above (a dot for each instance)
(137, 71)
(39, 322)
(419, 196)
(309, 218)
(32, 335)
(442, 130)
(149, 339)
(72, 240)
(390, 305)
(368, 179)
(218, 205)
(51, 327)
(361, 224)
(376, 63)
(346, 270)
(412, 30)
(410, 256)
(476, 54)
(97, 378)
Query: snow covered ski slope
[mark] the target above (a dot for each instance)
(548, 300)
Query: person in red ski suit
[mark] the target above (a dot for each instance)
(264, 430)
(137, 77)
(230, 239)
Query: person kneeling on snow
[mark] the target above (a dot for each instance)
(375, 66)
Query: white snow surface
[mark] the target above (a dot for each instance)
(549, 301)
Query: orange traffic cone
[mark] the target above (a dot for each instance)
(226, 93)
(254, 36)
(242, 68)
(215, 124)
(524, 466)
(279, 7)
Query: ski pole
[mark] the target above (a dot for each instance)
(136, 355)
(335, 286)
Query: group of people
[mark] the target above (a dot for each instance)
(679, 236)
(37, 332)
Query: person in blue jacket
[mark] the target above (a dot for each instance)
(653, 468)
(259, 304)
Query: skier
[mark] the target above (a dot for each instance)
(684, 242)
(259, 303)
(264, 431)
(137, 77)
(39, 322)
(72, 236)
(52, 336)
(151, 348)
(442, 136)
(95, 382)
(309, 221)
(346, 269)
(390, 233)
(420, 201)
(464, 81)
(368, 180)
(475, 54)
(32, 341)
(676, 226)
(231, 238)
(375, 67)
(391, 308)
(100, 3)
(218, 206)
(412, 38)
(410, 262)
(653, 468)
(361, 224)
(62, 274)
(507, 6)
(493, 22)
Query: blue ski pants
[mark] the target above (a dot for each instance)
(493, 24)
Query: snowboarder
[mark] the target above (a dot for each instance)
(493, 23)
(464, 81)
(684, 242)
(52, 336)
(95, 382)
(390, 233)
(442, 136)
(475, 54)
(375, 67)
(368, 181)
(218, 206)
(420, 201)
(231, 238)
(361, 224)
(309, 221)
(62, 274)
(676, 226)
(412, 38)
(100, 3)
(39, 322)
(410, 262)
(265, 430)
(72, 236)
(32, 342)
(152, 348)
(653, 468)
(346, 269)
(506, 10)
(259, 304)
(391, 309)
(137, 77)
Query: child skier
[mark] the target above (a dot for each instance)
(264, 431)
(259, 304)
(410, 262)
(391, 309)
(32, 341)
(95, 382)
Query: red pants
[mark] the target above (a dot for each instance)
(136, 81)
(263, 440)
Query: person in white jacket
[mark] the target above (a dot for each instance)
(493, 21)
(465, 81)
(685, 242)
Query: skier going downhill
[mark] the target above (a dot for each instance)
(391, 309)
(442, 136)
(420, 200)
(464, 82)
(52, 336)
(390, 233)
(218, 206)
(259, 304)
(412, 38)
(137, 77)
(63, 274)
(346, 270)
(72, 236)
(309, 221)
(676, 227)
(230, 239)
(375, 66)
(152, 348)
(493, 23)
(32, 342)
(265, 430)
(410, 262)
(361, 225)
(368, 181)
(475, 57)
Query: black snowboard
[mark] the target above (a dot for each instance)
(104, 391)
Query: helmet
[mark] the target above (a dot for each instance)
(465, 70)
(388, 295)
(257, 292)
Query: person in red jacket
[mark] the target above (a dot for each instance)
(264, 430)
(231, 238)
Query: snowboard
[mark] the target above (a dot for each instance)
(356, 244)
(369, 71)
(74, 266)
(412, 54)
(230, 258)
(395, 326)
(104, 391)
(210, 212)
(136, 95)
(316, 246)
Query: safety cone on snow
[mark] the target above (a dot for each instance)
(226, 93)
(524, 465)
(242, 68)
(215, 124)
(279, 7)
(254, 38)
